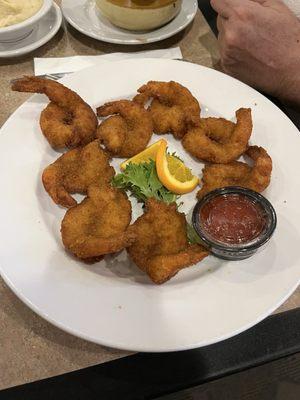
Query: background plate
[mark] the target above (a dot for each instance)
(112, 302)
(84, 16)
(41, 34)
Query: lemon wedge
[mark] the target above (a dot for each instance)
(172, 172)
(148, 154)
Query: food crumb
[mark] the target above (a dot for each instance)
(284, 201)
(255, 104)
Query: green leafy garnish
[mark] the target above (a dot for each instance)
(193, 237)
(142, 180)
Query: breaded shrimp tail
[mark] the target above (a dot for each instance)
(205, 144)
(98, 225)
(128, 132)
(75, 171)
(173, 109)
(161, 248)
(67, 121)
(237, 173)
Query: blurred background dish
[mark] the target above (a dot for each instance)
(138, 15)
(19, 20)
(41, 33)
(87, 18)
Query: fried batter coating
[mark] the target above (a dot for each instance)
(161, 248)
(98, 225)
(238, 173)
(75, 171)
(127, 133)
(218, 129)
(173, 109)
(201, 143)
(67, 121)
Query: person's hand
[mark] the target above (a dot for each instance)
(260, 45)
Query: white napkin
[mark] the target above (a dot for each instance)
(43, 66)
(294, 5)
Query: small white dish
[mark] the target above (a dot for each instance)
(85, 16)
(13, 33)
(39, 35)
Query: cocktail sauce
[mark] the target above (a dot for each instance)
(232, 218)
(234, 222)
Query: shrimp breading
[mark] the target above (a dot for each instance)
(238, 173)
(98, 225)
(173, 108)
(200, 142)
(67, 121)
(218, 129)
(161, 248)
(75, 171)
(127, 133)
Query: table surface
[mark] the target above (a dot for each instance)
(32, 349)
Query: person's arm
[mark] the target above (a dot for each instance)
(260, 45)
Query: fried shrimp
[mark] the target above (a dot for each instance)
(98, 225)
(218, 129)
(238, 173)
(161, 248)
(206, 143)
(75, 171)
(173, 109)
(128, 132)
(67, 121)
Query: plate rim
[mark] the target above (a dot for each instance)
(142, 348)
(131, 42)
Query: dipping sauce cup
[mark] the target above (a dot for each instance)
(234, 222)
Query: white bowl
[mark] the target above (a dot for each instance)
(139, 17)
(19, 31)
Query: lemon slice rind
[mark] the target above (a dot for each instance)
(169, 180)
(148, 154)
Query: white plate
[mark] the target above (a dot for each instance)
(84, 16)
(41, 34)
(112, 302)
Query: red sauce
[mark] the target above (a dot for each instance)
(232, 218)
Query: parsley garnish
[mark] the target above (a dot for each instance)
(193, 237)
(142, 181)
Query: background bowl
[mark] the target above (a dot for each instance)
(138, 18)
(19, 31)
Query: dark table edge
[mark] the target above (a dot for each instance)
(149, 375)
(209, 14)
